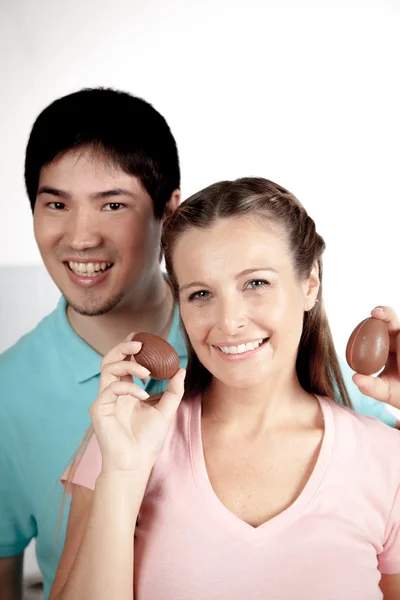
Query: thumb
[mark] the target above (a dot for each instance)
(398, 352)
(171, 398)
(374, 387)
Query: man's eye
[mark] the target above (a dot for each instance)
(56, 205)
(114, 206)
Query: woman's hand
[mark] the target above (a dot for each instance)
(130, 430)
(386, 386)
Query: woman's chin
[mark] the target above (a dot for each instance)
(243, 381)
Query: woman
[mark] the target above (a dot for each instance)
(256, 485)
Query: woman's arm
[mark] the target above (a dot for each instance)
(97, 560)
(390, 586)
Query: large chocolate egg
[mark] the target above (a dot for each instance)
(157, 355)
(368, 347)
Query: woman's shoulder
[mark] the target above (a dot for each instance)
(366, 431)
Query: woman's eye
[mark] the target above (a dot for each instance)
(200, 295)
(255, 284)
(56, 205)
(114, 206)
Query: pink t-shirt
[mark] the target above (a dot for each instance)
(332, 543)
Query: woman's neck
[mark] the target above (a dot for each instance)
(256, 408)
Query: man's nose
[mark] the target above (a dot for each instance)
(82, 231)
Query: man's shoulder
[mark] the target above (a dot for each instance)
(29, 350)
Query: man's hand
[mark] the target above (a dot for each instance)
(386, 386)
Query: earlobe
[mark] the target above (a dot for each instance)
(310, 303)
(172, 203)
(313, 285)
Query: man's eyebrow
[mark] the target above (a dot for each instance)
(45, 189)
(111, 193)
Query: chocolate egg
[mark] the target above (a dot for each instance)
(368, 347)
(157, 355)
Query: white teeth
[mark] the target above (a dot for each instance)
(88, 269)
(241, 347)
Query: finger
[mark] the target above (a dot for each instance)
(120, 352)
(389, 316)
(114, 371)
(374, 387)
(121, 388)
(171, 398)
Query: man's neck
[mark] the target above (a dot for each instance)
(103, 332)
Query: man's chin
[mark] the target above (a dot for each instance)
(94, 308)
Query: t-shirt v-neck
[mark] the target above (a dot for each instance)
(287, 516)
(334, 541)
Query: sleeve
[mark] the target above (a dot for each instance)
(389, 558)
(88, 468)
(17, 524)
(364, 404)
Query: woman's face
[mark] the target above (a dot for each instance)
(241, 302)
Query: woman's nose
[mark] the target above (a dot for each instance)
(232, 316)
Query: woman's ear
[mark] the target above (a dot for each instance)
(311, 288)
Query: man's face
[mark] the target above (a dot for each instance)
(96, 231)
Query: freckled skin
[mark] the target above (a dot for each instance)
(235, 307)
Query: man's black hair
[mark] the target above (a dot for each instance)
(125, 129)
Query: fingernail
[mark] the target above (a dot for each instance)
(129, 337)
(143, 371)
(135, 345)
(182, 374)
(143, 395)
(378, 308)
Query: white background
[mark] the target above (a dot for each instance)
(303, 92)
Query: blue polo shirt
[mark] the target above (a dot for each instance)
(47, 382)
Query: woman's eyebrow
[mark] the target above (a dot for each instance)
(245, 272)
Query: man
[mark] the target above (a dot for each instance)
(101, 172)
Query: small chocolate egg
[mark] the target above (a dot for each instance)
(368, 347)
(156, 355)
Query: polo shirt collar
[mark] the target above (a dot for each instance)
(82, 359)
